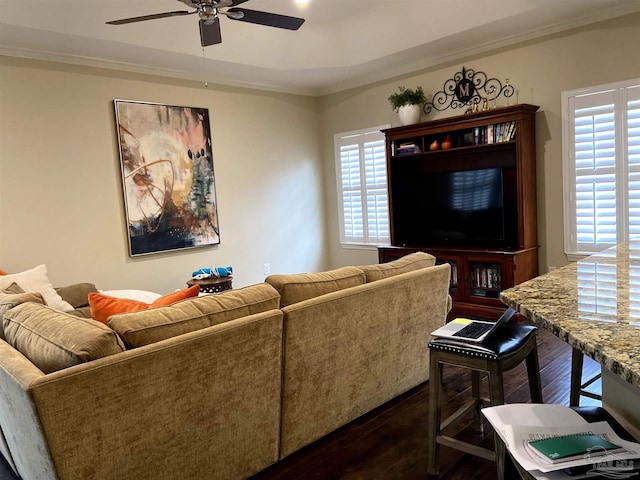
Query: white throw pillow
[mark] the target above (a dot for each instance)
(36, 280)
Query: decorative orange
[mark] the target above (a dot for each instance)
(446, 143)
(434, 145)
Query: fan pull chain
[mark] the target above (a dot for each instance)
(206, 84)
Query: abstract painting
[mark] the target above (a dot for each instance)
(167, 175)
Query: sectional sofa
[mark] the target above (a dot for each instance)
(218, 386)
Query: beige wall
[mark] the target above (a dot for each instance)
(61, 190)
(60, 184)
(540, 71)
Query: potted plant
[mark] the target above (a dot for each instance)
(407, 103)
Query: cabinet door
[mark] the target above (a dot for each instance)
(484, 279)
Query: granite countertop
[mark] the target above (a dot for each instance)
(593, 305)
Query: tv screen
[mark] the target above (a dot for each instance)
(465, 208)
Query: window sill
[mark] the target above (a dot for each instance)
(358, 246)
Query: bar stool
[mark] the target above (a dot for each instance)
(504, 350)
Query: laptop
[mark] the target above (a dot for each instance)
(472, 330)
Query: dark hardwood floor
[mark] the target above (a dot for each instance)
(390, 442)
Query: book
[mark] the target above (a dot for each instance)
(408, 148)
(570, 447)
(507, 126)
(500, 132)
(512, 131)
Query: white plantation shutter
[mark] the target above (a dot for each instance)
(601, 164)
(633, 158)
(595, 170)
(362, 187)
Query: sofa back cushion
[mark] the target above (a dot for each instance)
(408, 263)
(155, 324)
(54, 340)
(297, 287)
(10, 300)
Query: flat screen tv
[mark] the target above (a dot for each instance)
(468, 208)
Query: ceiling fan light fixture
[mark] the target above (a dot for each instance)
(208, 13)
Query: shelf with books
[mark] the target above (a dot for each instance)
(497, 133)
(408, 146)
(480, 136)
(486, 276)
(485, 280)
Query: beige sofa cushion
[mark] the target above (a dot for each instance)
(408, 263)
(54, 340)
(155, 324)
(297, 287)
(10, 300)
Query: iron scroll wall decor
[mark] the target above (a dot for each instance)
(466, 88)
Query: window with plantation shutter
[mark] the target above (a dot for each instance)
(362, 187)
(601, 166)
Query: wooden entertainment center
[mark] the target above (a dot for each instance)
(488, 251)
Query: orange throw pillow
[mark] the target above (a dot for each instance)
(2, 272)
(103, 306)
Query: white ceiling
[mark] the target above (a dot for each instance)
(342, 44)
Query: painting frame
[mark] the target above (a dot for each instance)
(168, 179)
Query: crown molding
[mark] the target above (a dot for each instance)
(307, 83)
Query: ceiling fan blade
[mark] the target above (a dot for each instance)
(210, 33)
(150, 17)
(268, 19)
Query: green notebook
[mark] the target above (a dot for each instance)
(570, 447)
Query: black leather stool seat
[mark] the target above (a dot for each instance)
(507, 348)
(507, 340)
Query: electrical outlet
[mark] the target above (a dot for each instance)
(551, 268)
(267, 268)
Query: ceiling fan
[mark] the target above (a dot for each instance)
(210, 22)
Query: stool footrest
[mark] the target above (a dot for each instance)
(463, 410)
(466, 447)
